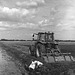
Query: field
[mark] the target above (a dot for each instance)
(67, 47)
(24, 46)
(19, 49)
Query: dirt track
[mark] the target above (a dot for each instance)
(7, 66)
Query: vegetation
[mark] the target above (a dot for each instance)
(35, 40)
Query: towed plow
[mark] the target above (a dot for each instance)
(61, 57)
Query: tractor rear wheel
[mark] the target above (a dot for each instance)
(39, 49)
(37, 52)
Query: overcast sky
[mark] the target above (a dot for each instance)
(20, 18)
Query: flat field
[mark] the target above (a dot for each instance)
(67, 47)
(23, 46)
(19, 49)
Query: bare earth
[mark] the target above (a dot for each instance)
(11, 53)
(7, 66)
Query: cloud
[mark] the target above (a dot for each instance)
(33, 18)
(26, 3)
(13, 11)
(41, 1)
(5, 24)
(68, 23)
(11, 25)
(2, 29)
(16, 14)
(30, 3)
(44, 22)
(28, 25)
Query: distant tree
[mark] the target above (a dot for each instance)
(4, 40)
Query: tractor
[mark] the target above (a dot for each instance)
(45, 46)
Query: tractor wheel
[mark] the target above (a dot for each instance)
(37, 52)
(39, 49)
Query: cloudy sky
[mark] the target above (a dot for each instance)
(20, 18)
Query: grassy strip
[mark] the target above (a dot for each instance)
(18, 57)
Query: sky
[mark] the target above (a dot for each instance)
(19, 19)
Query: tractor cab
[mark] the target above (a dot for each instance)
(44, 37)
(47, 39)
(45, 43)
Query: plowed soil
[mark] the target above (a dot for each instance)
(13, 54)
